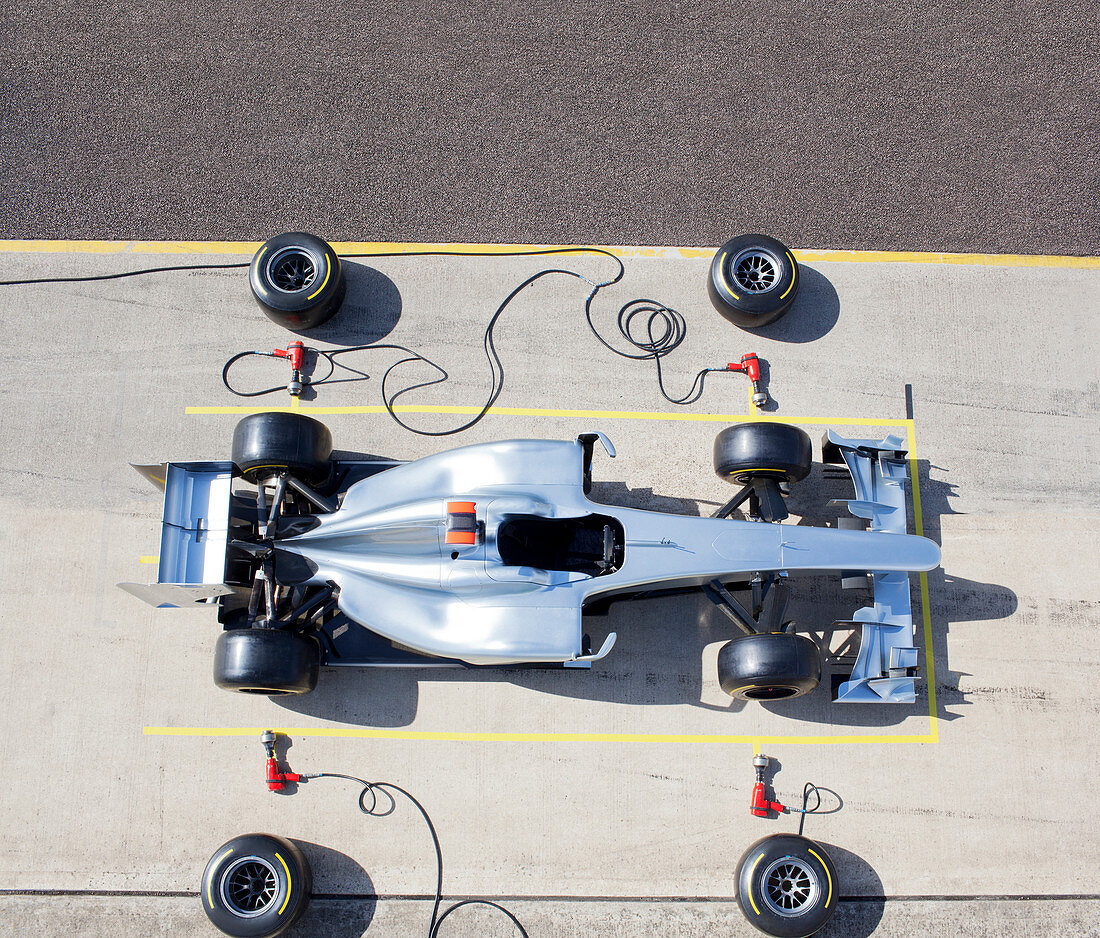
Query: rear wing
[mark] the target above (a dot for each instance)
(194, 534)
(886, 664)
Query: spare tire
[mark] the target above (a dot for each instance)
(266, 443)
(256, 886)
(787, 886)
(297, 280)
(753, 280)
(775, 450)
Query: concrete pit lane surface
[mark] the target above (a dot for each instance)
(610, 802)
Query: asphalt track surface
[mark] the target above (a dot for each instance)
(876, 126)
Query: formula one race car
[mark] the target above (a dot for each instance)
(488, 555)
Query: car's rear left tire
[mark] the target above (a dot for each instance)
(271, 442)
(266, 661)
(769, 666)
(256, 886)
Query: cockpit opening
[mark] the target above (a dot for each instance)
(592, 544)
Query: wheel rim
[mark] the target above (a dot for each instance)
(756, 270)
(770, 693)
(790, 886)
(249, 886)
(291, 270)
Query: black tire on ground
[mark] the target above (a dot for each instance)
(266, 443)
(265, 661)
(753, 280)
(297, 280)
(256, 886)
(775, 450)
(787, 886)
(769, 666)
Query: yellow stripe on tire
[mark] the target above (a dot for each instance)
(328, 271)
(289, 883)
(722, 276)
(752, 869)
(794, 275)
(210, 878)
(259, 285)
(824, 866)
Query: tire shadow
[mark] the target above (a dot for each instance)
(370, 311)
(862, 901)
(813, 314)
(344, 900)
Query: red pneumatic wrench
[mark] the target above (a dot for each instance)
(276, 780)
(760, 806)
(295, 352)
(750, 365)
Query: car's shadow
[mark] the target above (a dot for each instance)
(667, 645)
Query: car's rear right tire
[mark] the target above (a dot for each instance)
(265, 661)
(769, 666)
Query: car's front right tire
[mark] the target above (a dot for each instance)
(769, 666)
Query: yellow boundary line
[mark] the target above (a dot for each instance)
(652, 251)
(547, 412)
(756, 740)
(339, 732)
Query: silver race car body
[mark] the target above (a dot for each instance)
(488, 554)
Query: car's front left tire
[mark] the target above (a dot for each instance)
(773, 450)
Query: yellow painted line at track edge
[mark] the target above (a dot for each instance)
(485, 737)
(48, 246)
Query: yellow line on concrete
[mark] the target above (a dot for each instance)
(650, 251)
(149, 558)
(964, 260)
(429, 736)
(130, 247)
(342, 247)
(548, 412)
(926, 614)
